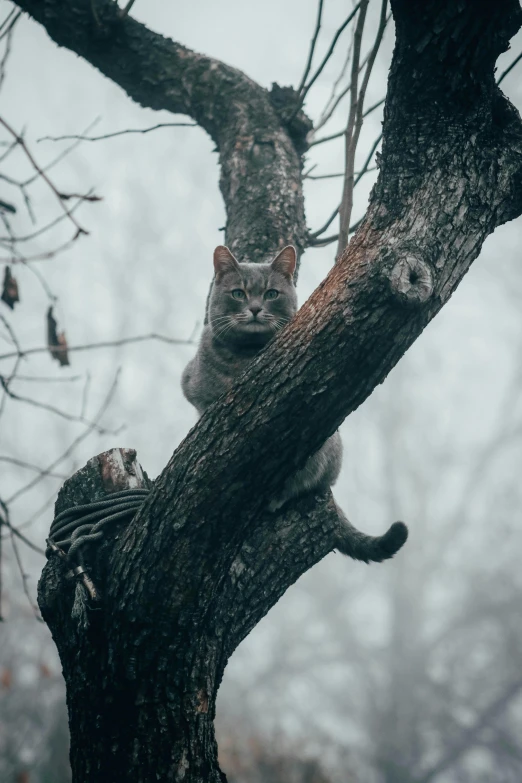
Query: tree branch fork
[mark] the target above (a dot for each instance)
(202, 560)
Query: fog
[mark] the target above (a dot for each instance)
(396, 673)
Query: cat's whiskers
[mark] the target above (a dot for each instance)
(280, 323)
(223, 328)
(219, 319)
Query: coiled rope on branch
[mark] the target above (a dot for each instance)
(78, 527)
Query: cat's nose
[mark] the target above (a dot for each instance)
(255, 309)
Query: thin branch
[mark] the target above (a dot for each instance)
(336, 103)
(365, 169)
(50, 468)
(321, 230)
(39, 511)
(43, 175)
(307, 173)
(312, 48)
(124, 11)
(40, 256)
(326, 176)
(327, 56)
(336, 84)
(374, 107)
(509, 68)
(328, 138)
(6, 30)
(20, 463)
(324, 241)
(120, 133)
(104, 344)
(51, 408)
(63, 154)
(9, 16)
(327, 114)
(9, 148)
(5, 520)
(47, 379)
(10, 240)
(6, 54)
(23, 574)
(468, 735)
(355, 118)
(341, 174)
(27, 541)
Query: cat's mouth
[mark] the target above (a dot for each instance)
(254, 325)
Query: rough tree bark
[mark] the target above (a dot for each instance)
(202, 563)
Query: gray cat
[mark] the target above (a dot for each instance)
(249, 304)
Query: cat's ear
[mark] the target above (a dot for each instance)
(285, 261)
(224, 261)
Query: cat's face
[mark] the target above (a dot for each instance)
(251, 302)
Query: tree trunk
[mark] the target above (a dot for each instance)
(202, 561)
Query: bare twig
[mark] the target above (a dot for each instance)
(312, 47)
(9, 148)
(5, 521)
(120, 133)
(42, 174)
(321, 230)
(38, 513)
(355, 118)
(509, 68)
(7, 52)
(39, 256)
(51, 408)
(47, 379)
(104, 344)
(366, 165)
(468, 733)
(333, 94)
(46, 471)
(324, 241)
(124, 11)
(11, 239)
(329, 111)
(6, 26)
(358, 175)
(23, 574)
(9, 16)
(325, 176)
(309, 171)
(332, 109)
(20, 463)
(27, 541)
(374, 107)
(327, 56)
(63, 154)
(328, 138)
(85, 394)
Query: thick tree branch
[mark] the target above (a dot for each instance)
(394, 277)
(260, 168)
(450, 172)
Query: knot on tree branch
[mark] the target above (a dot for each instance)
(297, 124)
(411, 280)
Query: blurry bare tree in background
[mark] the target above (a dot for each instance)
(434, 684)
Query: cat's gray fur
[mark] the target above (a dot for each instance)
(237, 329)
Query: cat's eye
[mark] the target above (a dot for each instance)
(272, 293)
(238, 293)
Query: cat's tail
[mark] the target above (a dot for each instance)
(369, 549)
